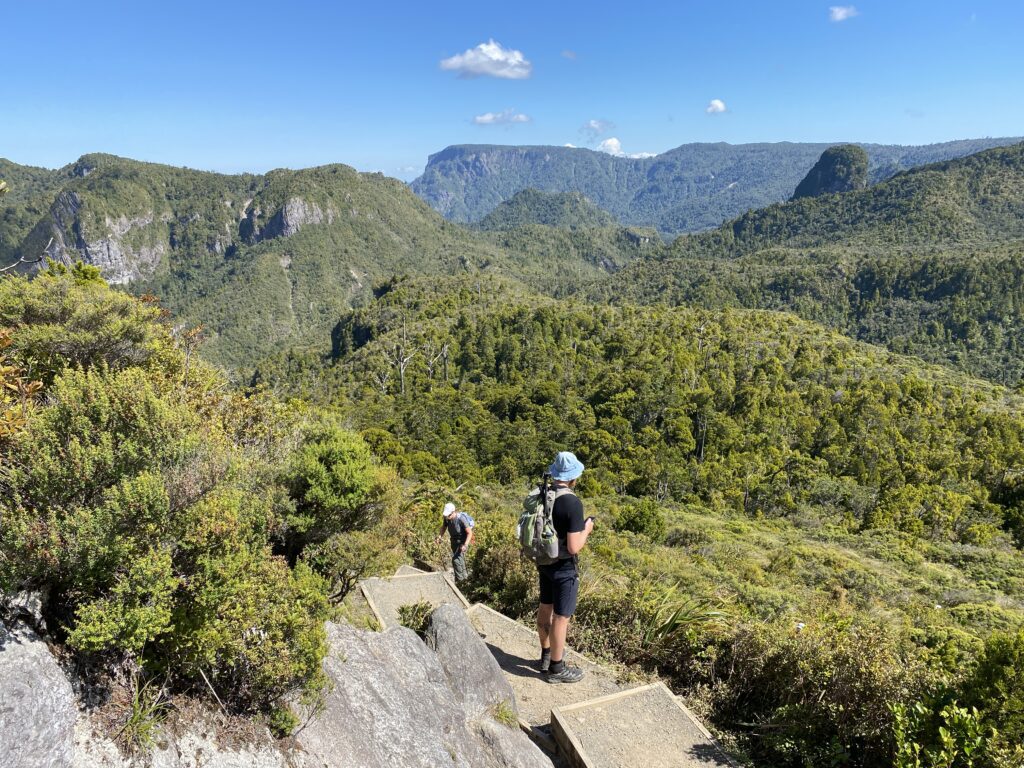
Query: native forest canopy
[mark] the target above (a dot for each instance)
(226, 399)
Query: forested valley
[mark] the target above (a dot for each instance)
(803, 432)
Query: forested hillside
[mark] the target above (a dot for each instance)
(929, 263)
(568, 210)
(689, 188)
(825, 506)
(258, 261)
(819, 541)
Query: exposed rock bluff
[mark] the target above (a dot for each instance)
(37, 705)
(395, 702)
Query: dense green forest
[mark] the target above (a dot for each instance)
(567, 210)
(818, 541)
(687, 189)
(927, 263)
(259, 261)
(823, 505)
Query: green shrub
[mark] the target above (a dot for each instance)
(335, 482)
(996, 687)
(645, 517)
(415, 616)
(142, 506)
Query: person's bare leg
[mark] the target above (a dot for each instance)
(559, 630)
(544, 614)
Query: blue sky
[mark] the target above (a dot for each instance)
(234, 86)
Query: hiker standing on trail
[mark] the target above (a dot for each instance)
(460, 529)
(560, 581)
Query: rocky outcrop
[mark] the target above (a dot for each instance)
(843, 168)
(472, 671)
(295, 214)
(392, 703)
(119, 261)
(37, 705)
(195, 746)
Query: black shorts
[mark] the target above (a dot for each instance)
(559, 586)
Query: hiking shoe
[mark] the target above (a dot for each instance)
(545, 664)
(567, 675)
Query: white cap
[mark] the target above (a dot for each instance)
(449, 509)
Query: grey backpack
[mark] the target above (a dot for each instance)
(536, 531)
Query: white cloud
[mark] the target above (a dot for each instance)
(570, 146)
(613, 146)
(567, 54)
(842, 12)
(595, 128)
(715, 107)
(489, 59)
(508, 117)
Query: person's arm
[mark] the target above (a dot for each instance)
(574, 542)
(579, 529)
(440, 533)
(469, 538)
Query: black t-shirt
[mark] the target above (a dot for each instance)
(567, 517)
(457, 530)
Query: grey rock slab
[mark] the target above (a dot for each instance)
(389, 704)
(195, 747)
(510, 747)
(37, 705)
(472, 671)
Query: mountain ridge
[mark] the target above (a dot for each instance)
(688, 188)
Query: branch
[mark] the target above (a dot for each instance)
(24, 260)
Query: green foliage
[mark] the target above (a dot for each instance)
(842, 168)
(344, 559)
(568, 210)
(147, 710)
(927, 263)
(959, 736)
(336, 483)
(996, 687)
(505, 714)
(415, 616)
(142, 503)
(644, 517)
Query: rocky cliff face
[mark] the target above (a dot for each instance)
(686, 189)
(293, 216)
(393, 700)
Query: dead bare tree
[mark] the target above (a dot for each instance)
(400, 354)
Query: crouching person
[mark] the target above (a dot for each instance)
(460, 530)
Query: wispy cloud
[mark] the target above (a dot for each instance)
(842, 12)
(489, 59)
(593, 129)
(508, 117)
(567, 54)
(613, 146)
(715, 107)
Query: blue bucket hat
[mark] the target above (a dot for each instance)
(565, 467)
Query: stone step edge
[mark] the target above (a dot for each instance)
(562, 735)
